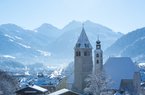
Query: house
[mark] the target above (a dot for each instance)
(32, 90)
(64, 92)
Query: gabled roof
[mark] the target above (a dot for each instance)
(33, 88)
(64, 92)
(118, 68)
(83, 41)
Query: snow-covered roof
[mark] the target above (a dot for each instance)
(32, 88)
(118, 68)
(83, 41)
(38, 88)
(62, 91)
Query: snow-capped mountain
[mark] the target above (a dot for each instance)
(131, 45)
(63, 45)
(24, 45)
(47, 43)
(48, 31)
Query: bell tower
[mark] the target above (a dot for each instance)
(83, 63)
(98, 57)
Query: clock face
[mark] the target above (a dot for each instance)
(98, 47)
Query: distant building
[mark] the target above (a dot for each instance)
(32, 90)
(83, 63)
(51, 84)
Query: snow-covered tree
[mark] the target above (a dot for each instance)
(8, 84)
(97, 84)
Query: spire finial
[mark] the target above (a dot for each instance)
(98, 37)
(82, 25)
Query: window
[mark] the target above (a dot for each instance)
(78, 53)
(97, 55)
(85, 53)
(87, 45)
(78, 45)
(97, 61)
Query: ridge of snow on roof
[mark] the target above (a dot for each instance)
(59, 92)
(83, 41)
(38, 88)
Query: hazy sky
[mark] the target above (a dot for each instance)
(119, 15)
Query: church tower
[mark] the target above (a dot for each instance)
(98, 57)
(83, 63)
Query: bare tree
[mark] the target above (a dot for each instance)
(8, 84)
(97, 84)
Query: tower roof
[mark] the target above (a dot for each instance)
(98, 41)
(83, 41)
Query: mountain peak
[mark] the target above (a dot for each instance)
(11, 26)
(46, 26)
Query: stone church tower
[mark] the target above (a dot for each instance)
(83, 63)
(98, 58)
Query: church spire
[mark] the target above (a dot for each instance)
(83, 41)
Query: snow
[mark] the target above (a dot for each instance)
(11, 40)
(44, 53)
(60, 92)
(9, 56)
(25, 46)
(6, 35)
(38, 88)
(118, 68)
(141, 64)
(35, 30)
(19, 38)
(83, 41)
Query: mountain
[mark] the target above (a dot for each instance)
(48, 44)
(63, 46)
(48, 31)
(24, 45)
(9, 64)
(130, 45)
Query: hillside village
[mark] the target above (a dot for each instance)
(116, 76)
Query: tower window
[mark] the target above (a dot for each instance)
(78, 53)
(97, 55)
(86, 45)
(78, 45)
(97, 61)
(86, 53)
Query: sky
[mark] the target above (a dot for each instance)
(118, 15)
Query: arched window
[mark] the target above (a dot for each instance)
(97, 55)
(97, 61)
(85, 53)
(78, 53)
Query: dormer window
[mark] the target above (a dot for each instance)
(86, 45)
(78, 45)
